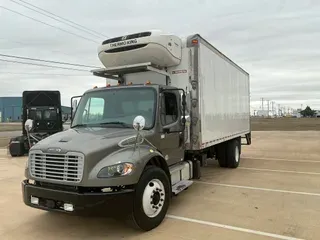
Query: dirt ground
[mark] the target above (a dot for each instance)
(4, 141)
(7, 127)
(285, 124)
(257, 124)
(274, 194)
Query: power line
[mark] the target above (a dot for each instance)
(43, 65)
(48, 61)
(63, 18)
(61, 29)
(32, 44)
(55, 18)
(43, 74)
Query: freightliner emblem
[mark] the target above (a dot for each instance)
(54, 150)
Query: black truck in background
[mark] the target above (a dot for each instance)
(44, 109)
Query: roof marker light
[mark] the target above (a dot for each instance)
(148, 82)
(194, 41)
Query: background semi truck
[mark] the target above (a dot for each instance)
(44, 108)
(134, 144)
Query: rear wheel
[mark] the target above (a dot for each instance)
(152, 199)
(233, 153)
(222, 154)
(228, 153)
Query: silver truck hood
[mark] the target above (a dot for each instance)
(85, 140)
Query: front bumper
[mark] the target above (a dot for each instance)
(106, 204)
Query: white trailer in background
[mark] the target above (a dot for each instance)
(177, 103)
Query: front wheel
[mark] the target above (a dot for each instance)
(152, 199)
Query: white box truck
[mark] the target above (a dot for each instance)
(133, 145)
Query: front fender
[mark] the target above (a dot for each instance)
(139, 157)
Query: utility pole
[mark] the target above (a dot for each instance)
(272, 109)
(268, 107)
(262, 103)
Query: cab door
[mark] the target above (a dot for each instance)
(171, 142)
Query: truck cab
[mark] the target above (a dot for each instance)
(134, 144)
(43, 108)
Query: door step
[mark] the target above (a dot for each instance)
(180, 186)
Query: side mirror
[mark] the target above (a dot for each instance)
(139, 123)
(28, 125)
(74, 106)
(74, 103)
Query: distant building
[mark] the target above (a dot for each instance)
(263, 113)
(296, 113)
(11, 109)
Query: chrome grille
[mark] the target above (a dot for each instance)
(59, 167)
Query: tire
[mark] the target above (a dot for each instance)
(233, 153)
(222, 155)
(144, 215)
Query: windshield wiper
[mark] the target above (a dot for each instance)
(117, 123)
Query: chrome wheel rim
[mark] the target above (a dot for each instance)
(153, 198)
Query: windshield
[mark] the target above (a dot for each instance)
(116, 107)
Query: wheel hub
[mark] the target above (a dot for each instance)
(153, 198)
(156, 197)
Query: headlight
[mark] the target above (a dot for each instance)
(27, 164)
(116, 170)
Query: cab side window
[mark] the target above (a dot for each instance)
(169, 113)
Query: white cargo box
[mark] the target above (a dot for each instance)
(220, 96)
